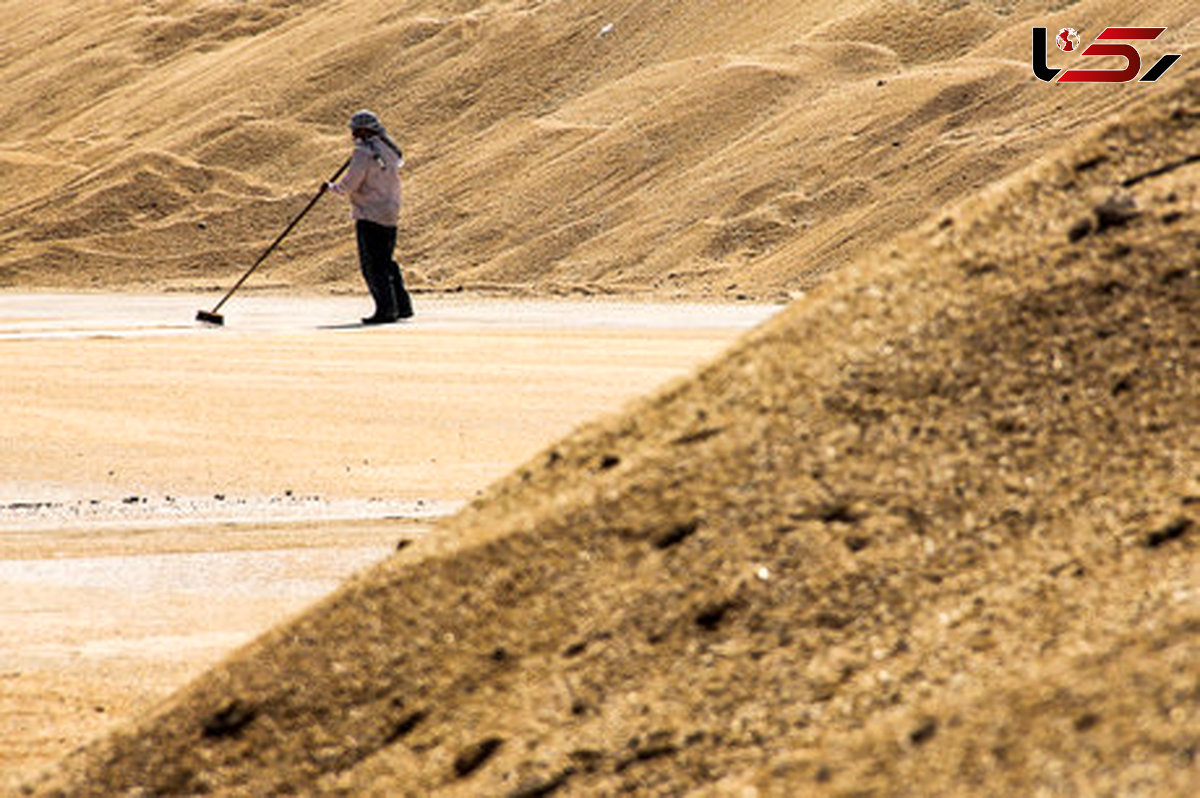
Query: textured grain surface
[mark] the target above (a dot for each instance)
(935, 524)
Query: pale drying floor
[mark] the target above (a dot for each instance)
(168, 492)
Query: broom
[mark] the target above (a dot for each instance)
(213, 316)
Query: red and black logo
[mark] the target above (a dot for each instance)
(1068, 41)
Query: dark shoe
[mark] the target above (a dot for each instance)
(377, 319)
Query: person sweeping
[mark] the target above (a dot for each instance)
(372, 184)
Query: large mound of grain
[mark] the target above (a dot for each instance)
(705, 148)
(935, 528)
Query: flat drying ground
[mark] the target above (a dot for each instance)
(169, 491)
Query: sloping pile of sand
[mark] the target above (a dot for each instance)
(701, 148)
(935, 526)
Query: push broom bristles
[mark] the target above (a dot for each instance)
(210, 318)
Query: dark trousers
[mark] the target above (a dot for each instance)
(376, 247)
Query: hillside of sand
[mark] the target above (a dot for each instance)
(933, 528)
(704, 148)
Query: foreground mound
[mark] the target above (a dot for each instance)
(937, 522)
(701, 148)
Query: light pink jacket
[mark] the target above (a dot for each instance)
(372, 183)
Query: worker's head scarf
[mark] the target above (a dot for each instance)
(366, 120)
